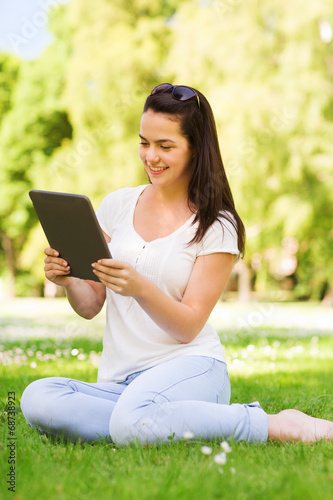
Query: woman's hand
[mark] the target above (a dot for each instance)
(119, 276)
(56, 268)
(85, 296)
(183, 320)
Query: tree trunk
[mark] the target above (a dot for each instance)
(328, 298)
(244, 282)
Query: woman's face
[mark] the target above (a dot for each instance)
(164, 151)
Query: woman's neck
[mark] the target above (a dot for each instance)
(168, 196)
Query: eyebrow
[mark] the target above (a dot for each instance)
(157, 142)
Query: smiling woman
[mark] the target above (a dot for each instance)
(165, 152)
(174, 242)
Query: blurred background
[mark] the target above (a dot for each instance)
(73, 79)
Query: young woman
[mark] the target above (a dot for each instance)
(174, 242)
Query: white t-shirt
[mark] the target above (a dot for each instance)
(132, 340)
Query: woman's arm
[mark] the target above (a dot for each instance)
(182, 320)
(86, 297)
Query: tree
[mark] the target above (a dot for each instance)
(267, 72)
(34, 126)
(118, 50)
(71, 123)
(9, 71)
(74, 121)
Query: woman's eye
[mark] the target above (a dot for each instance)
(165, 147)
(143, 144)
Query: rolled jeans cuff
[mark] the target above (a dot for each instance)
(258, 423)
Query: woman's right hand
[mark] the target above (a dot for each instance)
(56, 268)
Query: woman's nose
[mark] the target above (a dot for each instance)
(152, 157)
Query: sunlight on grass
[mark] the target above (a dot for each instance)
(278, 366)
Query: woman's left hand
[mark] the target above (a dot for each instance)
(119, 276)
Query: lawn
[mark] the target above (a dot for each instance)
(281, 355)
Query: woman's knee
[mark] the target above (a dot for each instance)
(30, 398)
(121, 427)
(127, 425)
(37, 397)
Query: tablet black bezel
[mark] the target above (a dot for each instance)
(71, 227)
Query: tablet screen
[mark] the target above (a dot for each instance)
(71, 227)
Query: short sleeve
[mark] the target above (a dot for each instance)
(108, 211)
(221, 237)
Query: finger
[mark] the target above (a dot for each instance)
(51, 251)
(52, 275)
(56, 267)
(109, 283)
(109, 270)
(108, 279)
(104, 276)
(117, 264)
(58, 261)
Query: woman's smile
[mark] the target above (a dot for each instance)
(165, 150)
(156, 170)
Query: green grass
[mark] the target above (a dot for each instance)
(278, 366)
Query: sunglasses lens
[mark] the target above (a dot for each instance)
(180, 92)
(183, 93)
(161, 88)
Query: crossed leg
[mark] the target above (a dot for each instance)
(189, 393)
(68, 408)
(185, 394)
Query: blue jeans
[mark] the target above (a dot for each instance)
(185, 394)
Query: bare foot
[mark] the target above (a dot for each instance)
(293, 425)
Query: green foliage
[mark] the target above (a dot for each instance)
(267, 73)
(9, 69)
(33, 127)
(70, 119)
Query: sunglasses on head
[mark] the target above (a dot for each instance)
(178, 92)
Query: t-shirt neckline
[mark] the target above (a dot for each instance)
(163, 238)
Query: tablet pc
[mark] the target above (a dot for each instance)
(71, 227)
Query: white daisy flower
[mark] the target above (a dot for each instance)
(188, 435)
(206, 450)
(221, 458)
(225, 446)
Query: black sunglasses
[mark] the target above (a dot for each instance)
(179, 92)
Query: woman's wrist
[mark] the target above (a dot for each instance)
(145, 289)
(70, 283)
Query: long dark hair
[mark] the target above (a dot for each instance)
(208, 191)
